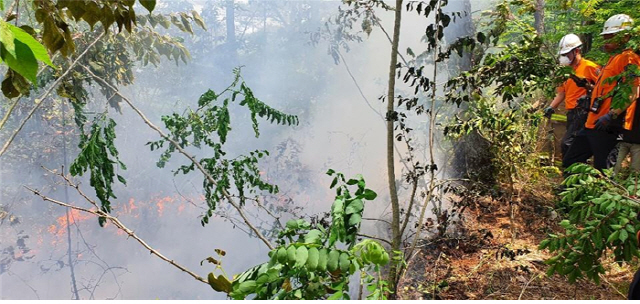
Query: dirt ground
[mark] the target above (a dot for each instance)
(482, 263)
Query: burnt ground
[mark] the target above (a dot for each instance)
(482, 263)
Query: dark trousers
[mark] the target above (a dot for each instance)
(575, 122)
(587, 143)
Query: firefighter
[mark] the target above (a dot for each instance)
(575, 91)
(603, 124)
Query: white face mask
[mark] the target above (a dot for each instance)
(564, 60)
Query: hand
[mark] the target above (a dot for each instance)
(603, 122)
(548, 112)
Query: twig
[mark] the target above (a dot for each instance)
(108, 267)
(277, 218)
(75, 186)
(122, 227)
(374, 238)
(358, 86)
(376, 219)
(6, 115)
(40, 100)
(533, 277)
(25, 282)
(404, 270)
(187, 155)
(10, 10)
(624, 296)
(366, 100)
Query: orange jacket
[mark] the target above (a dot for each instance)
(614, 67)
(588, 70)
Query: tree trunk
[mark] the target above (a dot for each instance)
(391, 117)
(539, 17)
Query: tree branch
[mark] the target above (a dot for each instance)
(116, 222)
(187, 155)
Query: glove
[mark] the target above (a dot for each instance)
(548, 112)
(603, 122)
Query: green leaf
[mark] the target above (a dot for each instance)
(291, 254)
(623, 235)
(336, 296)
(148, 4)
(333, 260)
(354, 206)
(24, 63)
(613, 236)
(313, 236)
(355, 219)
(344, 262)
(38, 50)
(323, 257)
(7, 39)
(370, 195)
(282, 255)
(312, 261)
(292, 224)
(247, 287)
(302, 253)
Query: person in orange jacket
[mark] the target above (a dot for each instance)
(575, 91)
(600, 134)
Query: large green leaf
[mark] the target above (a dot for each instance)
(148, 4)
(21, 51)
(24, 63)
(6, 37)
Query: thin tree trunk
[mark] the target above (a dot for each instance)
(393, 192)
(74, 285)
(539, 17)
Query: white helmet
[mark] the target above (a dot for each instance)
(617, 23)
(568, 43)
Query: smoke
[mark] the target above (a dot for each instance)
(339, 129)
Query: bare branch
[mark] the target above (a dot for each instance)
(376, 219)
(11, 273)
(115, 221)
(72, 185)
(187, 155)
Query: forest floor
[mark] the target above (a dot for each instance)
(482, 262)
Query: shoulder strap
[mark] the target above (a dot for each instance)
(581, 82)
